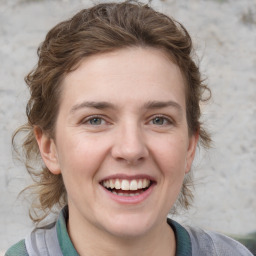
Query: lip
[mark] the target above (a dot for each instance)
(136, 199)
(129, 177)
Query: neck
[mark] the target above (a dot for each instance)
(89, 240)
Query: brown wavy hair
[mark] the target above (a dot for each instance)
(103, 28)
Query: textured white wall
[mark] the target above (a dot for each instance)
(225, 37)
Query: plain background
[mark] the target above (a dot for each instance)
(224, 33)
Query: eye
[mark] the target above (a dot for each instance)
(161, 120)
(94, 121)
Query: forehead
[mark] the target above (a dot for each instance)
(123, 75)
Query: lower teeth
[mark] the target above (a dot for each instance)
(126, 194)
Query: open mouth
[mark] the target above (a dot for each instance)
(124, 187)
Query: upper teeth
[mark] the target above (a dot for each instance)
(126, 184)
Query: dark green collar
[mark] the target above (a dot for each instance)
(65, 243)
(183, 243)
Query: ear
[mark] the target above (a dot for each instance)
(193, 140)
(48, 150)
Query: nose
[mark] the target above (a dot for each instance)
(130, 145)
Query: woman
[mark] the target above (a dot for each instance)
(114, 115)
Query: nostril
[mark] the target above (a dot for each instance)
(130, 145)
(130, 156)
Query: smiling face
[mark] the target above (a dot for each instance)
(122, 143)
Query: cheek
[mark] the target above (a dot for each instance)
(171, 155)
(78, 167)
(80, 156)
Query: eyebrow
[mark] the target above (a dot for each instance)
(92, 104)
(108, 105)
(162, 104)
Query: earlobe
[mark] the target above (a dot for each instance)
(48, 150)
(193, 140)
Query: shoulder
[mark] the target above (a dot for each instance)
(249, 241)
(39, 242)
(43, 241)
(215, 244)
(18, 249)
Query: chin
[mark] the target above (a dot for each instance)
(129, 226)
(129, 232)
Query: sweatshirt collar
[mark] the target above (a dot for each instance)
(183, 243)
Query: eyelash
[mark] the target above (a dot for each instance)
(90, 118)
(168, 120)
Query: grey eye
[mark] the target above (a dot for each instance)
(95, 121)
(159, 120)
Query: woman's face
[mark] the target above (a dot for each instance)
(122, 142)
